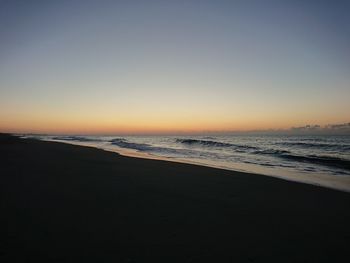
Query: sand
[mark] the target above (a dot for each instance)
(67, 203)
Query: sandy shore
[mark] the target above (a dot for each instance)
(66, 203)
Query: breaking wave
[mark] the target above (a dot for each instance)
(209, 143)
(131, 145)
(279, 153)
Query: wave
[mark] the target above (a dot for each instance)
(271, 152)
(203, 142)
(321, 160)
(166, 151)
(326, 146)
(313, 159)
(278, 153)
(75, 138)
(209, 143)
(131, 145)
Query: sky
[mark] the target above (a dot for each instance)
(130, 67)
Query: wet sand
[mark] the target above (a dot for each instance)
(67, 203)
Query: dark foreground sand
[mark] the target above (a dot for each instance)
(64, 203)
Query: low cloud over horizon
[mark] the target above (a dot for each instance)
(312, 129)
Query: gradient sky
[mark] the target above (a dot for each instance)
(172, 66)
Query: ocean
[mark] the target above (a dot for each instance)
(318, 160)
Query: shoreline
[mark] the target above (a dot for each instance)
(335, 182)
(64, 203)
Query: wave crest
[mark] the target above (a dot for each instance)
(123, 143)
(209, 143)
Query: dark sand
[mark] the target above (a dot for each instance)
(64, 203)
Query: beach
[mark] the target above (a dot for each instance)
(68, 203)
(317, 160)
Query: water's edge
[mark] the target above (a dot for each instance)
(340, 183)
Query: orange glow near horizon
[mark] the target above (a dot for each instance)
(131, 124)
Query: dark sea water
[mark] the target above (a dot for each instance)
(321, 160)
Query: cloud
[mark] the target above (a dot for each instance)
(307, 128)
(338, 126)
(329, 129)
(310, 129)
